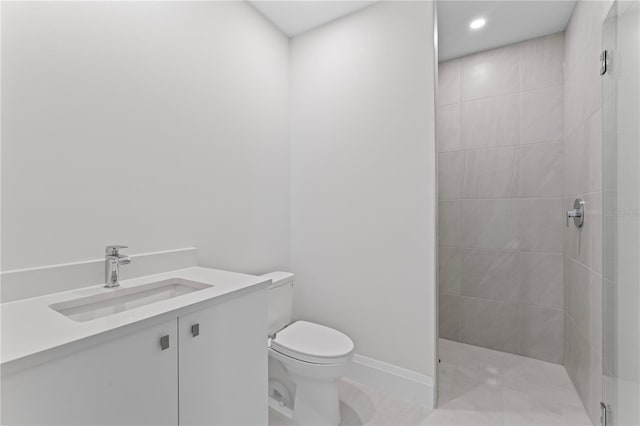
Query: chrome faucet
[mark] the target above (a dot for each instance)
(112, 261)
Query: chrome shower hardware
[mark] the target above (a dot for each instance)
(577, 213)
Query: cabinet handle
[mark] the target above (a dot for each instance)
(164, 342)
(195, 330)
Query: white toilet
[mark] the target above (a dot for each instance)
(305, 360)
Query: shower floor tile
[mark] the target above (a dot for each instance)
(478, 386)
(481, 386)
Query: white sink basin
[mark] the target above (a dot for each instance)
(124, 299)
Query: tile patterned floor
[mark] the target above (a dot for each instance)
(478, 386)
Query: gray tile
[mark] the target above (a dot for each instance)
(448, 128)
(490, 173)
(541, 115)
(628, 109)
(490, 274)
(541, 62)
(489, 324)
(541, 332)
(575, 160)
(582, 240)
(489, 73)
(540, 170)
(594, 215)
(567, 279)
(595, 389)
(541, 222)
(449, 316)
(568, 327)
(449, 223)
(609, 315)
(579, 363)
(542, 279)
(449, 270)
(489, 224)
(450, 166)
(449, 82)
(580, 297)
(568, 231)
(582, 88)
(595, 339)
(489, 122)
(594, 133)
(481, 386)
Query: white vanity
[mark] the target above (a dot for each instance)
(184, 347)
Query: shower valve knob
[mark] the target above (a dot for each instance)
(577, 213)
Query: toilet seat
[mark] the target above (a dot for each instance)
(313, 343)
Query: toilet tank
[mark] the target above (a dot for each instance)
(279, 299)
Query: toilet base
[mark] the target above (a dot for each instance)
(316, 403)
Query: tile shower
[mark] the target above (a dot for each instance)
(519, 138)
(500, 134)
(583, 179)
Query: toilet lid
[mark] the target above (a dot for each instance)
(310, 342)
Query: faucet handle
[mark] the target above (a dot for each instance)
(114, 250)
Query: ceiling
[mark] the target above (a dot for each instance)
(295, 17)
(507, 22)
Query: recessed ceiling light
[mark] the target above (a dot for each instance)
(477, 23)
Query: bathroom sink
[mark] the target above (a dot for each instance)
(124, 299)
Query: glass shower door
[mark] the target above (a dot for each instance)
(621, 215)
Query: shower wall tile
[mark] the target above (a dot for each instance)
(450, 167)
(490, 224)
(490, 173)
(541, 333)
(449, 223)
(541, 115)
(541, 222)
(576, 159)
(490, 274)
(541, 62)
(584, 242)
(449, 82)
(573, 96)
(500, 135)
(596, 312)
(594, 135)
(578, 363)
(489, 122)
(540, 170)
(580, 297)
(595, 389)
(541, 278)
(448, 127)
(489, 324)
(628, 105)
(449, 270)
(595, 218)
(449, 316)
(490, 73)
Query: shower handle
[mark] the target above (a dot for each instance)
(577, 213)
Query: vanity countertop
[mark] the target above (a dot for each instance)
(31, 326)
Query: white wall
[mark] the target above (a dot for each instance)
(363, 180)
(154, 124)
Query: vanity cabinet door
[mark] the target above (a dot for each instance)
(223, 363)
(128, 380)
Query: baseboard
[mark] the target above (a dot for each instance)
(397, 381)
(20, 284)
